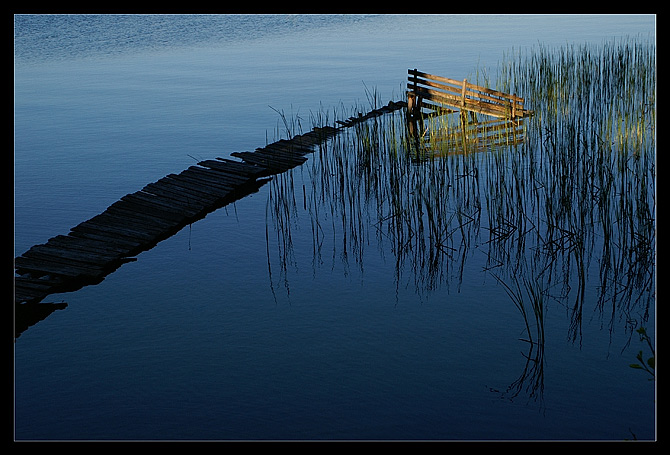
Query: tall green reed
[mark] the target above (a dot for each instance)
(561, 205)
(565, 197)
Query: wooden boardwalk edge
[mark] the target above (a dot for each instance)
(138, 221)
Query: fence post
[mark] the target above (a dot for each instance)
(417, 99)
(413, 100)
(465, 81)
(463, 114)
(410, 103)
(514, 106)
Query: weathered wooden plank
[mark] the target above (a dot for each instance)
(120, 241)
(296, 142)
(91, 268)
(425, 84)
(198, 184)
(123, 224)
(217, 174)
(239, 168)
(55, 268)
(202, 184)
(472, 97)
(132, 220)
(469, 85)
(67, 254)
(198, 187)
(163, 203)
(470, 104)
(290, 146)
(189, 212)
(128, 235)
(25, 293)
(140, 212)
(443, 97)
(112, 251)
(164, 189)
(34, 284)
(286, 158)
(474, 91)
(239, 174)
(428, 94)
(283, 153)
(273, 165)
(326, 130)
(29, 286)
(316, 135)
(22, 294)
(250, 157)
(27, 289)
(438, 107)
(496, 93)
(305, 140)
(214, 177)
(198, 190)
(195, 187)
(495, 110)
(309, 140)
(132, 203)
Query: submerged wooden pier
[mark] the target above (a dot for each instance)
(139, 220)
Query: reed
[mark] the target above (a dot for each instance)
(558, 198)
(560, 205)
(592, 147)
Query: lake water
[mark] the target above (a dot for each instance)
(220, 332)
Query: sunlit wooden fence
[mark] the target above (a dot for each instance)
(429, 94)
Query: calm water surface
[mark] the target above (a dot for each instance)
(216, 333)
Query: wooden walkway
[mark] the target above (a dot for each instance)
(138, 221)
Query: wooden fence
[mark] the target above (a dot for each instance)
(438, 94)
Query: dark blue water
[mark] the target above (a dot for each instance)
(216, 333)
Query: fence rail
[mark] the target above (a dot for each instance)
(440, 94)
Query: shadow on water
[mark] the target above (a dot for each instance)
(27, 315)
(552, 200)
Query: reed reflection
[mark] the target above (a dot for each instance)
(561, 204)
